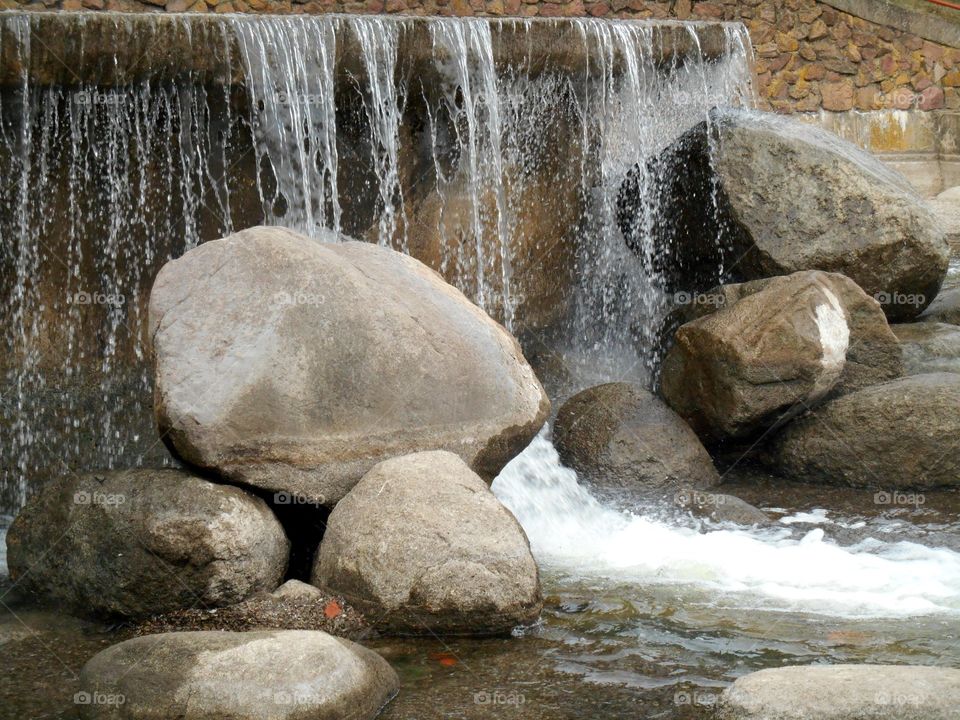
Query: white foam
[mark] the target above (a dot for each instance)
(572, 533)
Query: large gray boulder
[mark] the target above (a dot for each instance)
(844, 692)
(625, 441)
(898, 435)
(139, 542)
(296, 365)
(266, 675)
(929, 347)
(873, 355)
(421, 545)
(762, 195)
(775, 352)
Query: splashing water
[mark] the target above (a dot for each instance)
(573, 534)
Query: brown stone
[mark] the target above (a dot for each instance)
(708, 10)
(837, 96)
(814, 71)
(951, 79)
(931, 99)
(869, 98)
(817, 30)
(807, 52)
(786, 43)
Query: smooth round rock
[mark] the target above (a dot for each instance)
(844, 692)
(624, 440)
(296, 365)
(145, 541)
(421, 545)
(267, 675)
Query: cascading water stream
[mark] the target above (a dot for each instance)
(449, 139)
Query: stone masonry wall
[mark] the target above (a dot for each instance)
(810, 56)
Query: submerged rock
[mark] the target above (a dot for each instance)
(624, 441)
(929, 347)
(281, 675)
(140, 542)
(844, 692)
(764, 195)
(898, 435)
(720, 507)
(945, 308)
(767, 357)
(296, 365)
(421, 545)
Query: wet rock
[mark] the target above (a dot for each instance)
(243, 676)
(624, 440)
(294, 605)
(421, 545)
(754, 364)
(947, 207)
(296, 365)
(844, 692)
(929, 347)
(788, 197)
(720, 507)
(898, 435)
(945, 308)
(139, 542)
(873, 355)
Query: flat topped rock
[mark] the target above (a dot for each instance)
(845, 692)
(272, 675)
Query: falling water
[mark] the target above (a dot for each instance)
(450, 139)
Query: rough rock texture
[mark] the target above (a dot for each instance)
(281, 674)
(947, 207)
(139, 542)
(789, 197)
(751, 365)
(844, 692)
(296, 365)
(624, 440)
(898, 435)
(294, 605)
(929, 347)
(421, 545)
(945, 308)
(720, 507)
(873, 355)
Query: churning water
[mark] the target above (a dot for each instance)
(790, 567)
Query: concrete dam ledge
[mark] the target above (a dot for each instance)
(110, 49)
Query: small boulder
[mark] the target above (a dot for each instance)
(139, 542)
(929, 347)
(754, 364)
(623, 440)
(280, 674)
(844, 692)
(760, 195)
(421, 545)
(720, 507)
(945, 308)
(296, 365)
(898, 435)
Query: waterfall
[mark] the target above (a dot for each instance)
(491, 150)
